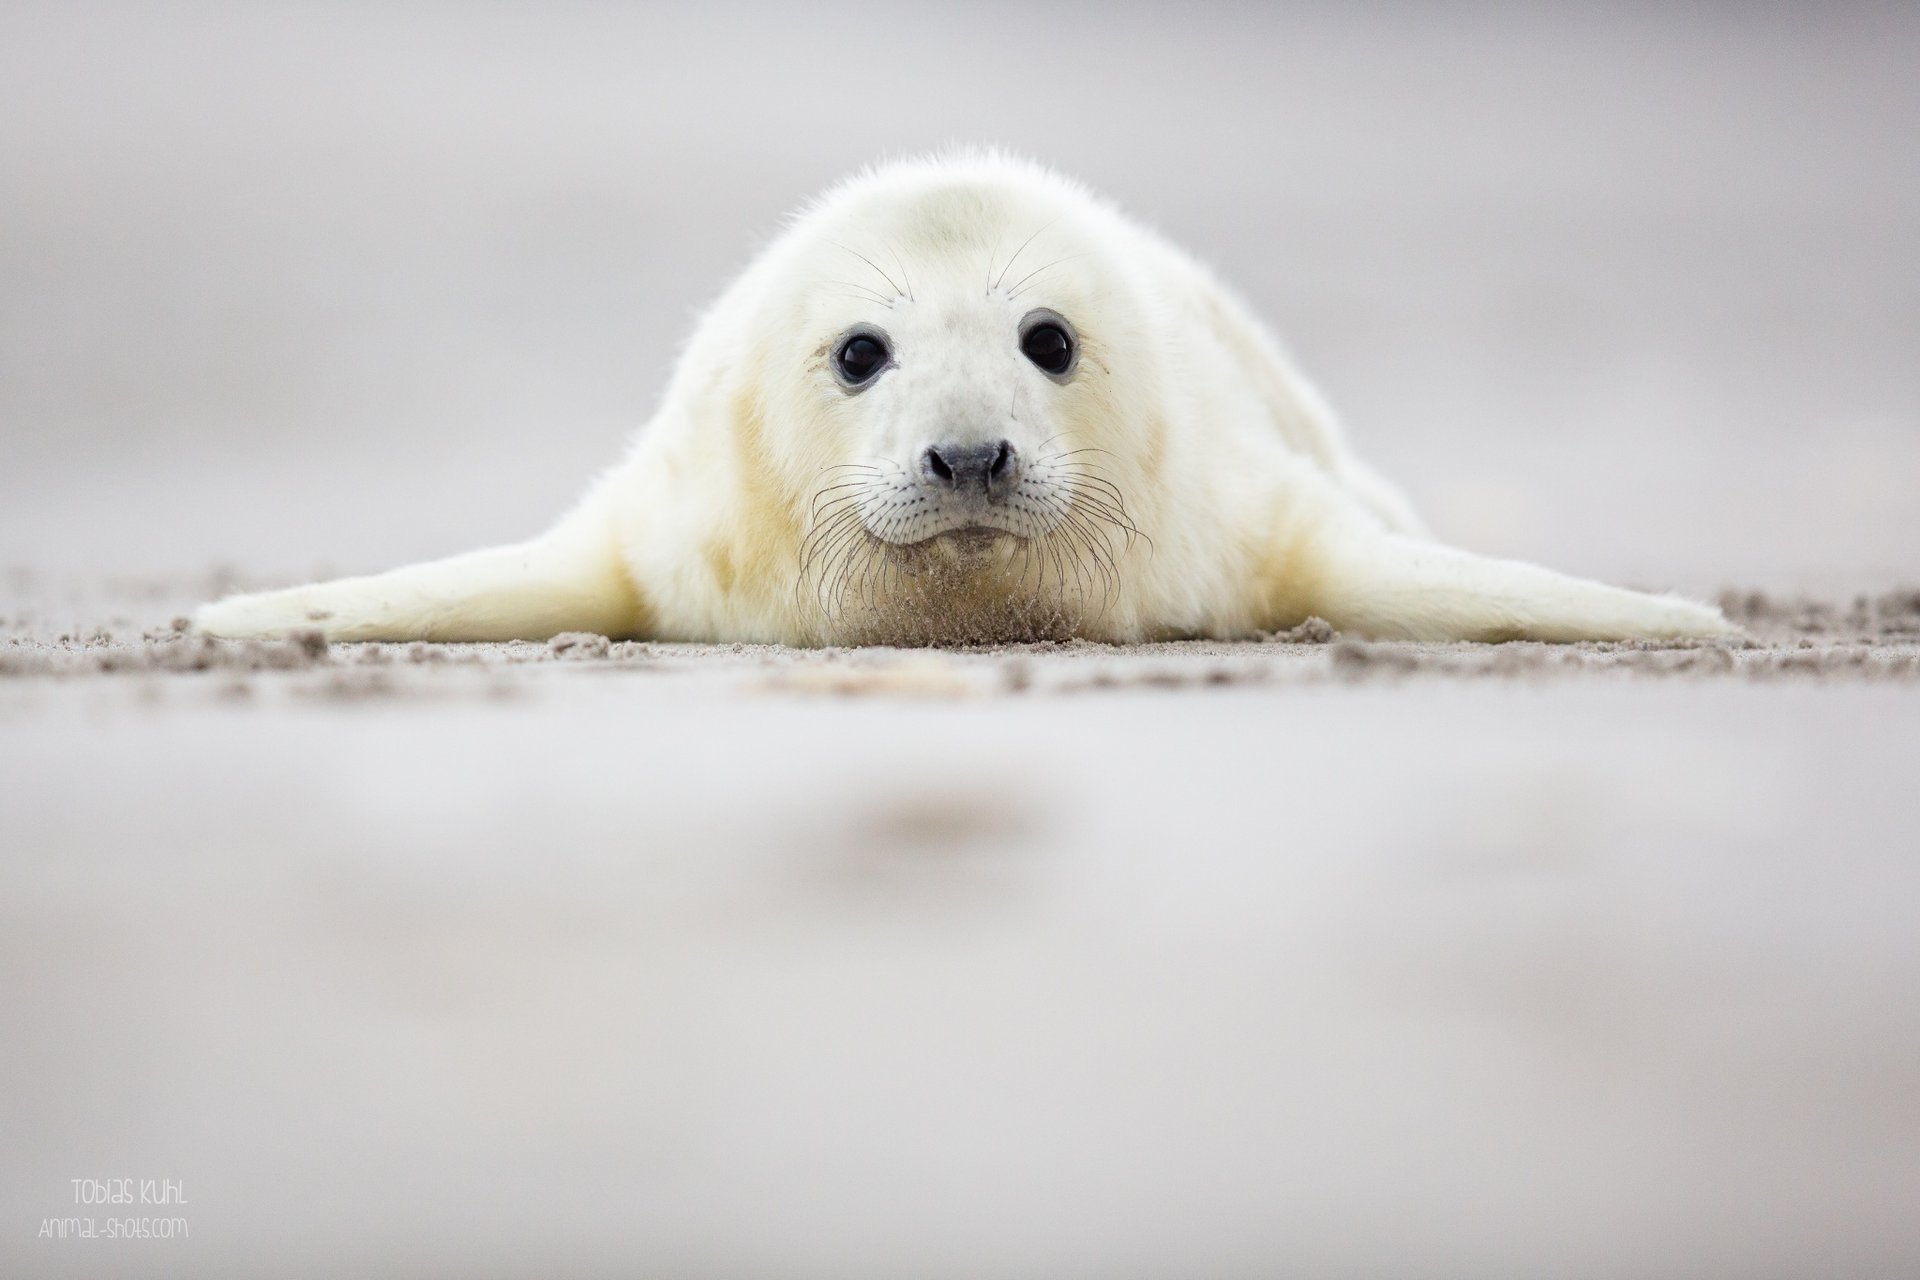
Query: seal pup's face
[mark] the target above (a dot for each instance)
(967, 483)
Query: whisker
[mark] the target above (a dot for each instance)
(1102, 553)
(862, 294)
(894, 249)
(846, 536)
(870, 262)
(1106, 517)
(844, 565)
(1017, 252)
(827, 540)
(838, 488)
(1094, 483)
(1020, 286)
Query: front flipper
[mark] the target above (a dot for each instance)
(1398, 588)
(568, 580)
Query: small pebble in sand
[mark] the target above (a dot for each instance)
(579, 646)
(1312, 631)
(310, 642)
(1356, 657)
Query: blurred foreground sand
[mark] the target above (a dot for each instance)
(591, 959)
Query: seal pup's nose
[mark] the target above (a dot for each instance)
(990, 469)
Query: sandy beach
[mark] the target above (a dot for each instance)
(589, 958)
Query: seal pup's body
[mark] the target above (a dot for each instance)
(962, 400)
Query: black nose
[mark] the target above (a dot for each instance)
(991, 469)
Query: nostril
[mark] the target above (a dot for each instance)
(1002, 462)
(937, 466)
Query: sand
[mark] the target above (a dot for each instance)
(1311, 955)
(64, 632)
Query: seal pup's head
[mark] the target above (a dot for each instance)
(942, 398)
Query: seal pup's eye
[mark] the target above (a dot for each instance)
(860, 356)
(1048, 342)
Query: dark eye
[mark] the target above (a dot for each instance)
(860, 357)
(1049, 346)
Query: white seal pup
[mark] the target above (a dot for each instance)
(963, 400)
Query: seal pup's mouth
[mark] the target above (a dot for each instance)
(1025, 551)
(968, 543)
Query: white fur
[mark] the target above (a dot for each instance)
(1183, 480)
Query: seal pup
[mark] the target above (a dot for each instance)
(963, 400)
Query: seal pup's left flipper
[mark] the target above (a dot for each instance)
(570, 579)
(1392, 587)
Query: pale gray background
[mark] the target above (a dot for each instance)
(1632, 290)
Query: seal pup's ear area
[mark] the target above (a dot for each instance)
(567, 580)
(1392, 587)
